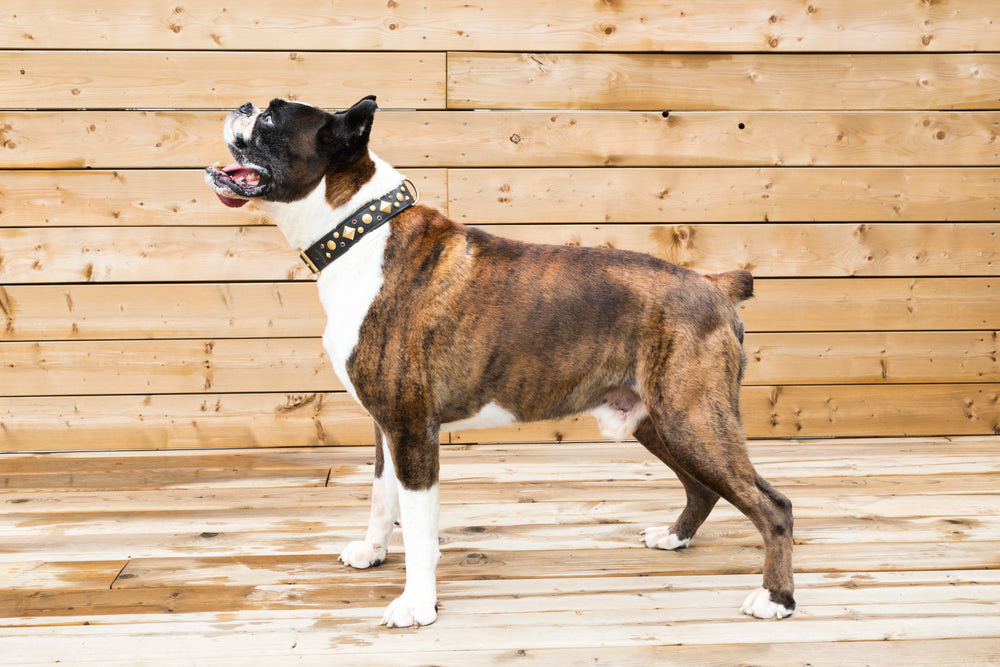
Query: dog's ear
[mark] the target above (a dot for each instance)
(361, 116)
(345, 134)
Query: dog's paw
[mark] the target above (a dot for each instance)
(361, 554)
(410, 612)
(662, 538)
(760, 605)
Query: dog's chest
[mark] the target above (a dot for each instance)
(347, 289)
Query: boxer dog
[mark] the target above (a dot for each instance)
(435, 326)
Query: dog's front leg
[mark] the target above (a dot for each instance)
(413, 450)
(371, 551)
(417, 605)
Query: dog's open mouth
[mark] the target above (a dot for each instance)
(234, 185)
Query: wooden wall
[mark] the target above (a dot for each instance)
(845, 151)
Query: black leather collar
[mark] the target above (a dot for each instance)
(352, 229)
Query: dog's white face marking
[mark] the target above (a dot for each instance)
(491, 415)
(384, 514)
(760, 605)
(419, 517)
(239, 127)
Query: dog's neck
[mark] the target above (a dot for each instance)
(303, 222)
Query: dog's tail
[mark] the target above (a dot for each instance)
(737, 285)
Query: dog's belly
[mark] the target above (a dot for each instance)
(490, 416)
(620, 413)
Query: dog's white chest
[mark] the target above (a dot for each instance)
(346, 289)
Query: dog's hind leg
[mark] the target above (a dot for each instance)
(372, 550)
(713, 452)
(693, 403)
(700, 499)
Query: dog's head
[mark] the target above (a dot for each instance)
(285, 150)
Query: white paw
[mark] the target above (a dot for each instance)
(662, 538)
(360, 554)
(759, 604)
(410, 612)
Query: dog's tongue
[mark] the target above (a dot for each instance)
(237, 172)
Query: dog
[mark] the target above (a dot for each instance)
(433, 325)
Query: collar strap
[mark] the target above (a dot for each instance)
(352, 229)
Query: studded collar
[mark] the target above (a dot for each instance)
(352, 229)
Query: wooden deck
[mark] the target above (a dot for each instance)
(229, 557)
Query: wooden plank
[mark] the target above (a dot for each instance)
(358, 640)
(472, 527)
(97, 502)
(977, 652)
(531, 464)
(182, 421)
(768, 250)
(40, 575)
(178, 139)
(493, 196)
(816, 250)
(280, 420)
(222, 80)
(263, 310)
(856, 304)
(816, 411)
(167, 367)
(485, 196)
(260, 253)
(499, 25)
(150, 311)
(715, 81)
(859, 358)
(159, 197)
(69, 368)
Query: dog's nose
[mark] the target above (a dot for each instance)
(246, 109)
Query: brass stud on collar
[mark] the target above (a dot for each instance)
(384, 206)
(349, 233)
(367, 218)
(330, 244)
(372, 207)
(399, 196)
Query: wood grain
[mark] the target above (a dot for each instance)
(502, 25)
(818, 411)
(143, 197)
(723, 81)
(223, 80)
(783, 250)
(281, 310)
(871, 304)
(182, 421)
(176, 139)
(67, 368)
(179, 198)
(258, 253)
(731, 194)
(289, 420)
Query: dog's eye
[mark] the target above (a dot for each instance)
(266, 119)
